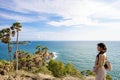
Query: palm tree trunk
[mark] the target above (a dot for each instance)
(17, 52)
(9, 55)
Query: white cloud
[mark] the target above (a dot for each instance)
(21, 18)
(74, 12)
(82, 12)
(78, 13)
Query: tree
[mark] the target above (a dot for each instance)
(2, 34)
(45, 54)
(5, 38)
(45, 49)
(16, 27)
(38, 49)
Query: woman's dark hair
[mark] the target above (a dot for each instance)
(103, 46)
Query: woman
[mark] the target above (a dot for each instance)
(100, 61)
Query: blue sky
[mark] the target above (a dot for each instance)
(63, 19)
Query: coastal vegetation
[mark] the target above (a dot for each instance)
(37, 63)
(26, 65)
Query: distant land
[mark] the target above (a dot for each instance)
(20, 42)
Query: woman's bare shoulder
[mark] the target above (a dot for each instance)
(102, 56)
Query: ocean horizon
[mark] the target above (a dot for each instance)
(80, 53)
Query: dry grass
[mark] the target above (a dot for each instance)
(23, 75)
(90, 78)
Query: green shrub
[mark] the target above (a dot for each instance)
(87, 73)
(42, 69)
(57, 68)
(4, 62)
(108, 77)
(71, 70)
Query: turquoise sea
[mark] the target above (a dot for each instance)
(81, 53)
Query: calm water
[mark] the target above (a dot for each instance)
(80, 53)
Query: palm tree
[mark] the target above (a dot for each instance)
(2, 33)
(5, 38)
(45, 55)
(45, 49)
(38, 48)
(8, 42)
(16, 26)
